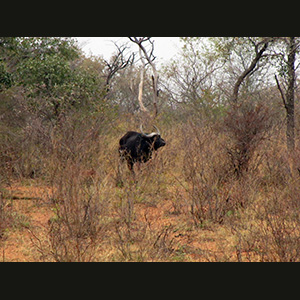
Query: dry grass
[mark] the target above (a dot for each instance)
(186, 204)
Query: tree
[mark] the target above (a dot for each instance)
(49, 72)
(243, 57)
(190, 79)
(117, 62)
(147, 57)
(269, 52)
(288, 98)
(9, 53)
(260, 47)
(290, 105)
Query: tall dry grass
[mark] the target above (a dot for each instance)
(232, 175)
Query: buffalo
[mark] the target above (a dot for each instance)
(138, 147)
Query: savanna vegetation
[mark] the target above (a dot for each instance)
(224, 188)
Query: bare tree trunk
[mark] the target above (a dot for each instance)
(141, 85)
(290, 106)
(149, 58)
(155, 90)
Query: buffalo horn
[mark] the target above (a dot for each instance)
(157, 130)
(142, 131)
(150, 134)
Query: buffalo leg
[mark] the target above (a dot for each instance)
(130, 166)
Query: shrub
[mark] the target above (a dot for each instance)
(79, 225)
(269, 230)
(246, 125)
(205, 171)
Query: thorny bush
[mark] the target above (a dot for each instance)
(246, 125)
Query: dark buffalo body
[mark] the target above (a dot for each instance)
(138, 147)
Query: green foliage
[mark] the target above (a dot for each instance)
(5, 77)
(44, 75)
(52, 74)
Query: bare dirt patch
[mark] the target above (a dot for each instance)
(27, 240)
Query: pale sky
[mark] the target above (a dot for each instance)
(164, 47)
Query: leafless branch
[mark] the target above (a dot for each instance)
(117, 63)
(281, 92)
(149, 57)
(251, 67)
(139, 41)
